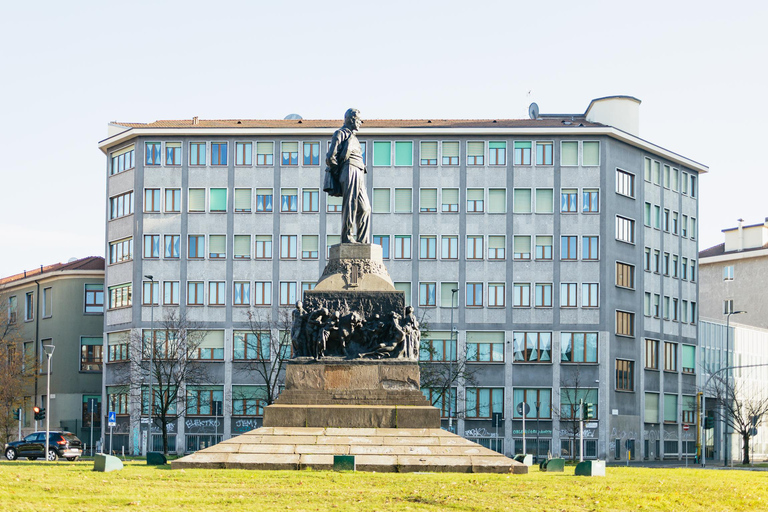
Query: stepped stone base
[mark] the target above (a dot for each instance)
(375, 449)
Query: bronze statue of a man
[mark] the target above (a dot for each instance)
(346, 166)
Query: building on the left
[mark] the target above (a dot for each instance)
(59, 305)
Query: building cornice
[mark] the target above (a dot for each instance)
(52, 276)
(733, 256)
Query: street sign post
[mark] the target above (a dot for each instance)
(686, 427)
(523, 409)
(111, 421)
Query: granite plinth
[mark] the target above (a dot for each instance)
(355, 267)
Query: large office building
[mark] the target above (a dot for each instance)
(570, 240)
(60, 306)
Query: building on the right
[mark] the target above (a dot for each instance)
(733, 332)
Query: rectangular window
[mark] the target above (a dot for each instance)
(152, 200)
(451, 153)
(243, 200)
(693, 186)
(404, 153)
(496, 295)
(121, 206)
(445, 400)
(543, 247)
(196, 202)
(483, 402)
(310, 200)
(568, 202)
(522, 152)
(287, 293)
(217, 292)
(656, 261)
(475, 153)
(670, 409)
(403, 200)
(652, 354)
(684, 269)
(264, 200)
(151, 246)
(689, 414)
(173, 153)
(497, 200)
(474, 294)
(522, 295)
(647, 259)
(428, 200)
(689, 359)
(171, 293)
(311, 153)
(590, 153)
(123, 160)
(150, 293)
(195, 293)
(330, 241)
(263, 247)
(539, 402)
(406, 289)
(309, 244)
(666, 220)
(625, 275)
(590, 248)
(666, 176)
(625, 230)
(402, 247)
(120, 251)
(647, 170)
(197, 153)
(428, 247)
(675, 217)
(625, 183)
(693, 228)
(475, 200)
(521, 247)
(217, 246)
(543, 295)
(201, 400)
(289, 152)
(625, 323)
(383, 241)
(251, 346)
(544, 200)
(218, 153)
(381, 198)
(241, 293)
(727, 272)
(333, 204)
(450, 200)
(625, 375)
(196, 246)
(382, 153)
(589, 295)
(578, 347)
(428, 153)
(447, 294)
(474, 247)
(569, 247)
(496, 247)
(217, 201)
(497, 153)
(265, 152)
(656, 217)
(590, 200)
(568, 295)
(483, 346)
(117, 346)
(153, 153)
(288, 247)
(94, 298)
(120, 296)
(289, 200)
(172, 200)
(647, 215)
(243, 153)
(449, 247)
(543, 153)
(249, 400)
(427, 294)
(521, 201)
(262, 293)
(571, 400)
(656, 306)
(569, 153)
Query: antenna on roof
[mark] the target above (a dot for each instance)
(293, 117)
(533, 111)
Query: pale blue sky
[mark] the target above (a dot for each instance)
(71, 67)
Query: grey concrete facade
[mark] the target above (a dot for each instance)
(621, 418)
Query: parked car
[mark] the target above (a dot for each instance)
(60, 444)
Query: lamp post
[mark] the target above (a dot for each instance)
(454, 343)
(151, 358)
(726, 437)
(49, 354)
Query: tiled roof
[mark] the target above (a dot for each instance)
(87, 263)
(719, 250)
(368, 123)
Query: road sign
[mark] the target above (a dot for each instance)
(496, 420)
(521, 406)
(685, 427)
(112, 419)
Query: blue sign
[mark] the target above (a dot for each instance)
(112, 419)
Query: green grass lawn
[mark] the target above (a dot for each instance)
(74, 486)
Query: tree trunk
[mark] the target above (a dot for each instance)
(165, 439)
(745, 438)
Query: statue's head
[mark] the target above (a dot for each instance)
(408, 310)
(352, 119)
(299, 304)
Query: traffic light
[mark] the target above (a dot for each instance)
(39, 413)
(589, 411)
(17, 414)
(709, 422)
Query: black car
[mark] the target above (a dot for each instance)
(60, 444)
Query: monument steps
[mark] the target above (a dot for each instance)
(375, 449)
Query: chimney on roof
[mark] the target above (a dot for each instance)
(741, 235)
(194, 120)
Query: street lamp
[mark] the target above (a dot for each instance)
(727, 438)
(151, 356)
(49, 354)
(454, 343)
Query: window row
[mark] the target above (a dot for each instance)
(245, 200)
(93, 303)
(670, 221)
(670, 308)
(664, 409)
(670, 357)
(669, 264)
(524, 295)
(671, 177)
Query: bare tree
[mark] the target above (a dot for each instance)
(572, 392)
(170, 355)
(742, 406)
(16, 372)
